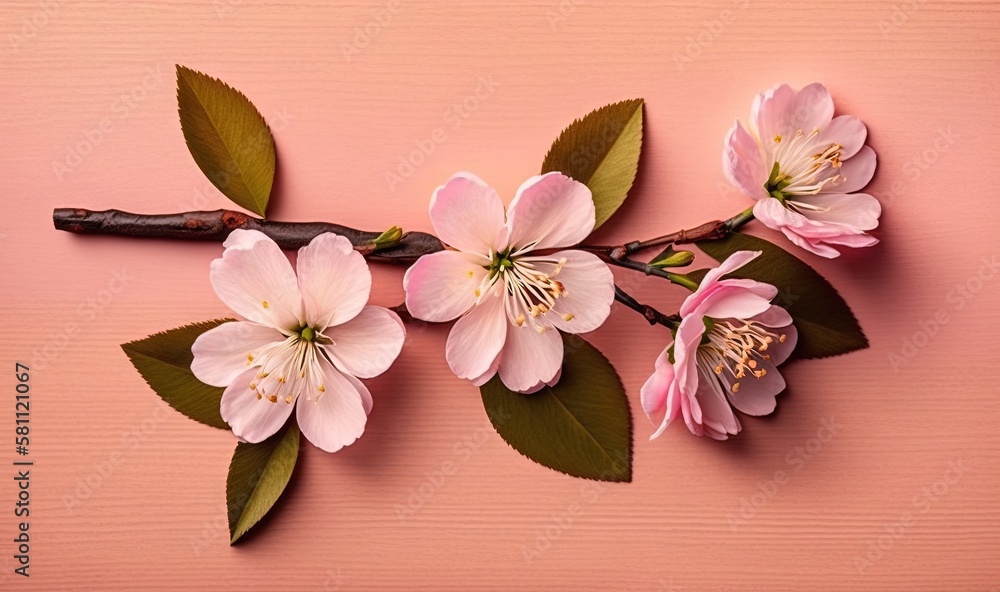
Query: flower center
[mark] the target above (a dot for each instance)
(531, 293)
(802, 166)
(736, 347)
(289, 368)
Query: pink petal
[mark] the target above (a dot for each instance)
(442, 286)
(490, 372)
(590, 291)
(770, 109)
(708, 283)
(337, 417)
(530, 357)
(716, 412)
(221, 353)
(733, 302)
(478, 337)
(252, 419)
(815, 247)
(653, 394)
(856, 172)
(756, 395)
(334, 279)
(846, 130)
(368, 344)
(856, 211)
(467, 214)
(254, 278)
(550, 211)
(550, 382)
(743, 163)
(813, 108)
(686, 342)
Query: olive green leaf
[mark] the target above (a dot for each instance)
(581, 426)
(227, 137)
(601, 150)
(825, 323)
(164, 361)
(258, 474)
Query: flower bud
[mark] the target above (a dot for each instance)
(388, 238)
(671, 258)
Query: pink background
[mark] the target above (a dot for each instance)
(879, 505)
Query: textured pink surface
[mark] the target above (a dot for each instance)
(778, 508)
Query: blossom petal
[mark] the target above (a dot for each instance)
(733, 302)
(368, 344)
(715, 410)
(855, 211)
(769, 111)
(756, 395)
(857, 172)
(478, 337)
(530, 357)
(337, 417)
(550, 211)
(221, 353)
(254, 278)
(708, 283)
(442, 286)
(252, 419)
(813, 108)
(490, 373)
(590, 291)
(846, 130)
(653, 394)
(743, 164)
(334, 279)
(467, 214)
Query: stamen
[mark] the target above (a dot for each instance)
(265, 304)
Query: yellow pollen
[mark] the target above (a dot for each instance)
(478, 293)
(760, 373)
(288, 399)
(782, 338)
(253, 386)
(752, 363)
(718, 369)
(535, 312)
(736, 387)
(321, 388)
(472, 274)
(568, 317)
(258, 395)
(766, 356)
(777, 138)
(542, 330)
(273, 398)
(520, 320)
(249, 359)
(265, 304)
(303, 375)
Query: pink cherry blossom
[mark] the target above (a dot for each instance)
(305, 341)
(510, 293)
(805, 168)
(725, 354)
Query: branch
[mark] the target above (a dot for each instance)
(651, 314)
(216, 226)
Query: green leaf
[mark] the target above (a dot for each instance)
(581, 426)
(258, 475)
(164, 361)
(602, 152)
(227, 137)
(825, 323)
